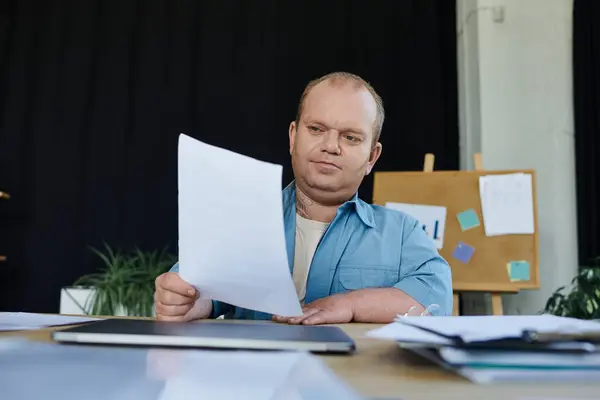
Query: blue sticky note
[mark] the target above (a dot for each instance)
(518, 271)
(463, 252)
(468, 219)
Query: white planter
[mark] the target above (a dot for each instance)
(73, 300)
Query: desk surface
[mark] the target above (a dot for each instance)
(380, 370)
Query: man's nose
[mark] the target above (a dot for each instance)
(331, 142)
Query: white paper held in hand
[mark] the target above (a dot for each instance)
(231, 233)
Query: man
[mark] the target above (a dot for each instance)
(351, 261)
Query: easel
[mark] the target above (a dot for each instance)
(496, 295)
(5, 196)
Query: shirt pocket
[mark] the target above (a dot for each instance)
(354, 277)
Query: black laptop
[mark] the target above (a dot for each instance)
(210, 334)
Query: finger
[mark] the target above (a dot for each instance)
(168, 318)
(172, 282)
(173, 299)
(173, 311)
(279, 318)
(307, 313)
(321, 317)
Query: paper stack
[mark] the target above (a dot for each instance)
(489, 349)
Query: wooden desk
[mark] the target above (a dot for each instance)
(380, 370)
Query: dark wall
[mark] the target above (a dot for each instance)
(94, 93)
(586, 95)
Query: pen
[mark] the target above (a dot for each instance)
(547, 337)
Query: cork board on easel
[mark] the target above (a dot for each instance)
(458, 191)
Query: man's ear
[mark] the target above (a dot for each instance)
(374, 156)
(292, 134)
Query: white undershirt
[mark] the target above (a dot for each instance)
(308, 235)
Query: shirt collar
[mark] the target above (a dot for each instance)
(364, 210)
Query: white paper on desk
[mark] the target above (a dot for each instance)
(259, 375)
(405, 333)
(475, 328)
(507, 204)
(210, 375)
(18, 321)
(35, 370)
(231, 233)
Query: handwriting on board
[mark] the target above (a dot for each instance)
(507, 204)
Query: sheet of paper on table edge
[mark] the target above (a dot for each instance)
(15, 321)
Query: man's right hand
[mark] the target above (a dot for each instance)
(175, 299)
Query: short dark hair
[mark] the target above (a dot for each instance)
(346, 77)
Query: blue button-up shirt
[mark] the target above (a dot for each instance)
(365, 246)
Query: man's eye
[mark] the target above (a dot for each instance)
(351, 138)
(314, 128)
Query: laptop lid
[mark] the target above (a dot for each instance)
(210, 334)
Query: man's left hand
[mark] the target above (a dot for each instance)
(335, 309)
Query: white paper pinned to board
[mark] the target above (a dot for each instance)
(507, 204)
(431, 218)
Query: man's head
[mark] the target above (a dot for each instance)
(334, 141)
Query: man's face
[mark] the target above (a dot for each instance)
(332, 147)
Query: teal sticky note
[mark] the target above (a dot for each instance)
(518, 271)
(468, 219)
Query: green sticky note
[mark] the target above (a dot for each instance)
(518, 271)
(468, 219)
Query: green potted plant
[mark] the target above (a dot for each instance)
(583, 300)
(125, 285)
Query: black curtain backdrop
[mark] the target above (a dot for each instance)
(93, 95)
(586, 94)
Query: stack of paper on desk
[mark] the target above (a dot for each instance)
(496, 348)
(231, 233)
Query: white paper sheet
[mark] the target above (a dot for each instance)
(493, 327)
(210, 374)
(407, 334)
(34, 370)
(431, 218)
(17, 321)
(507, 204)
(231, 233)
